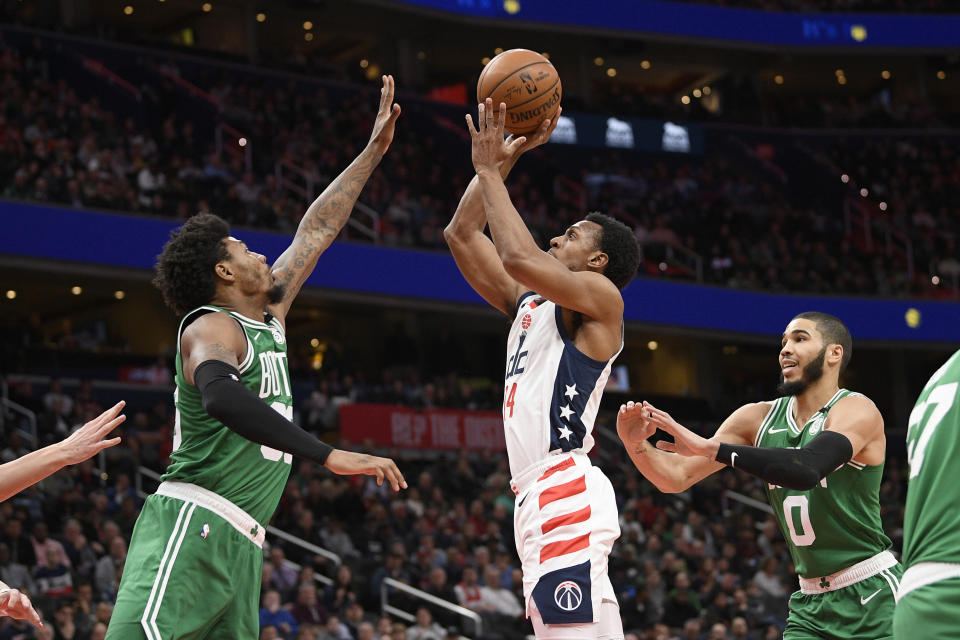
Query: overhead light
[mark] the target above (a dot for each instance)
(308, 36)
(76, 290)
(498, 51)
(598, 61)
(697, 93)
(261, 17)
(242, 142)
(644, 64)
(314, 342)
(128, 10)
(883, 206)
(421, 55)
(707, 91)
(935, 280)
(842, 79)
(942, 75)
(652, 345)
(864, 192)
(119, 294)
(307, 25)
(844, 178)
(611, 72)
(885, 74)
(685, 99)
(778, 79)
(364, 63)
(207, 7)
(485, 60)
(11, 294)
(839, 72)
(662, 266)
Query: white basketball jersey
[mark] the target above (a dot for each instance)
(553, 390)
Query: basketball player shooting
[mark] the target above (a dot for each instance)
(821, 451)
(567, 329)
(194, 566)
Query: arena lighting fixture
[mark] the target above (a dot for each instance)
(885, 74)
(307, 25)
(314, 342)
(242, 142)
(485, 60)
(653, 345)
(844, 178)
(883, 206)
(611, 72)
(76, 290)
(261, 17)
(864, 192)
(128, 10)
(697, 93)
(842, 80)
(119, 294)
(707, 91)
(935, 280)
(838, 72)
(942, 75)
(598, 61)
(778, 79)
(685, 99)
(498, 51)
(207, 7)
(644, 64)
(662, 266)
(364, 63)
(308, 36)
(11, 294)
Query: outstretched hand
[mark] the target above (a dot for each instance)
(633, 424)
(17, 605)
(685, 442)
(87, 441)
(348, 463)
(387, 114)
(489, 148)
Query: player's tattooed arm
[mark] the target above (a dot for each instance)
(325, 218)
(214, 336)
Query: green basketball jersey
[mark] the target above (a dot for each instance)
(208, 454)
(931, 522)
(837, 523)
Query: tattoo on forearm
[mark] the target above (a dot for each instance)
(326, 217)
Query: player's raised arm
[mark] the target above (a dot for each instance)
(587, 292)
(473, 251)
(672, 473)
(330, 211)
(212, 348)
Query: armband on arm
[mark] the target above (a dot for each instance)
(798, 469)
(226, 398)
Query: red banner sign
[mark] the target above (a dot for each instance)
(395, 426)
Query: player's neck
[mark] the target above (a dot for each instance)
(247, 306)
(814, 398)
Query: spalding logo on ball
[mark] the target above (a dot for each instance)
(527, 83)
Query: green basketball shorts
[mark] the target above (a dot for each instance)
(929, 603)
(193, 570)
(862, 610)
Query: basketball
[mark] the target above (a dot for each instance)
(529, 85)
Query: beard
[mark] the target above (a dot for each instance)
(275, 293)
(811, 373)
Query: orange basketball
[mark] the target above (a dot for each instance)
(527, 83)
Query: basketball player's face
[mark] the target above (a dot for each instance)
(577, 245)
(252, 272)
(802, 354)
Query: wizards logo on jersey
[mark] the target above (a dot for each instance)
(515, 363)
(564, 596)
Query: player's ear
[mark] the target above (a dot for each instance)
(223, 271)
(598, 260)
(834, 354)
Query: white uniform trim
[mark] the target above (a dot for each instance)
(924, 573)
(237, 517)
(148, 622)
(851, 575)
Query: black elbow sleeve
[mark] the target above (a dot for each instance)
(798, 469)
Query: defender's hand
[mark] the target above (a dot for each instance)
(348, 463)
(489, 148)
(16, 604)
(87, 441)
(387, 114)
(633, 425)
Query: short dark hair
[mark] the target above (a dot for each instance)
(184, 270)
(833, 331)
(620, 244)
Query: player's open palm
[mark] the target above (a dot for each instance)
(16, 604)
(348, 463)
(633, 425)
(489, 149)
(87, 441)
(685, 442)
(385, 125)
(537, 138)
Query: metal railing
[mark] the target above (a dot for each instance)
(30, 417)
(387, 608)
(279, 533)
(681, 256)
(746, 500)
